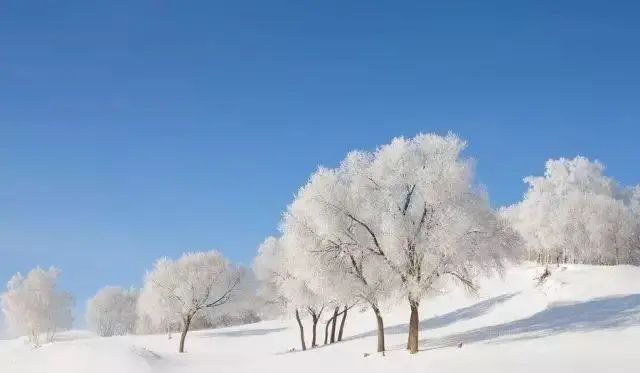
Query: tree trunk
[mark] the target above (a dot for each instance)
(380, 324)
(304, 346)
(326, 331)
(333, 325)
(315, 319)
(344, 318)
(412, 343)
(185, 329)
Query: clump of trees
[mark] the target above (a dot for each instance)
(576, 214)
(112, 311)
(405, 220)
(34, 306)
(198, 290)
(281, 289)
(196, 284)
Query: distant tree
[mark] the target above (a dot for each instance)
(193, 284)
(112, 311)
(32, 305)
(574, 213)
(634, 200)
(156, 313)
(271, 272)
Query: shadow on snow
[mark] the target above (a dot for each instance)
(435, 322)
(466, 313)
(240, 333)
(597, 314)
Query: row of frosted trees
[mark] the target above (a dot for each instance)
(200, 289)
(399, 224)
(406, 222)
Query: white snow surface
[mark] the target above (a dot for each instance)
(581, 319)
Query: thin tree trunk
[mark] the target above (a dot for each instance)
(330, 325)
(304, 346)
(344, 318)
(333, 324)
(326, 331)
(380, 325)
(185, 329)
(315, 319)
(412, 343)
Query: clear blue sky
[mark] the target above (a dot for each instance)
(130, 130)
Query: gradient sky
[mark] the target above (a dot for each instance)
(131, 130)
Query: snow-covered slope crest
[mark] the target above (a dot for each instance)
(580, 319)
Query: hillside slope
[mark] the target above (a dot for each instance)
(581, 319)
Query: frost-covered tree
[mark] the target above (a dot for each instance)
(574, 213)
(301, 297)
(270, 269)
(413, 208)
(33, 305)
(335, 258)
(196, 283)
(112, 311)
(156, 313)
(275, 268)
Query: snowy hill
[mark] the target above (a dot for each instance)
(581, 319)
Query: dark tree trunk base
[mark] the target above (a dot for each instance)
(380, 325)
(313, 332)
(412, 343)
(183, 336)
(333, 325)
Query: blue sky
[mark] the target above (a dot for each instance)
(133, 130)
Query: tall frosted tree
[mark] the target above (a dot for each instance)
(574, 213)
(334, 256)
(196, 283)
(413, 208)
(112, 311)
(33, 305)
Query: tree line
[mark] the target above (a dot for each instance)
(396, 225)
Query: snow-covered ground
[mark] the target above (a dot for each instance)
(582, 319)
